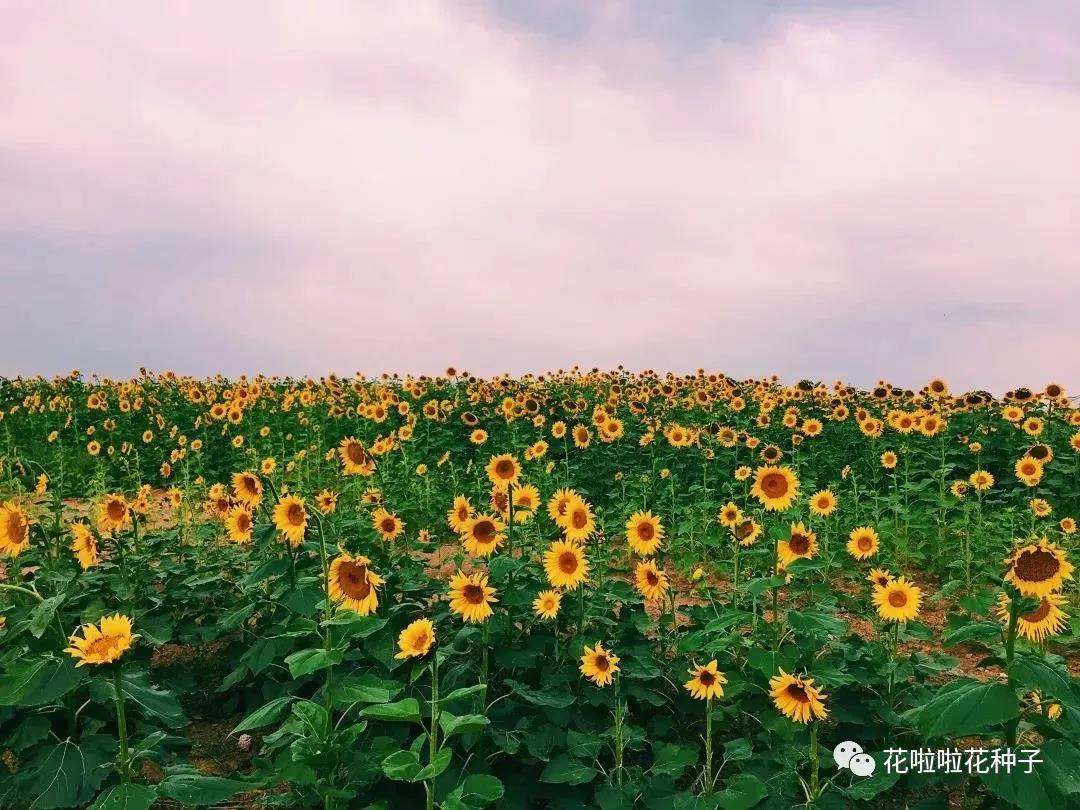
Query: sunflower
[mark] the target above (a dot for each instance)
(471, 597)
(1028, 470)
(483, 535)
(290, 518)
(525, 498)
(582, 437)
(888, 460)
(823, 503)
(14, 529)
(1041, 507)
(898, 601)
(1068, 525)
(240, 523)
(355, 460)
(775, 487)
(353, 584)
(743, 473)
(981, 480)
(599, 665)
(706, 682)
(459, 514)
(650, 581)
(1047, 619)
(415, 640)
(730, 515)
(1038, 569)
(102, 643)
(113, 513)
(559, 503)
(863, 542)
(644, 533)
(879, 576)
(247, 488)
(388, 526)
(478, 436)
(566, 565)
(326, 501)
(578, 523)
(958, 489)
(84, 545)
(503, 471)
(547, 604)
(795, 696)
(746, 532)
(801, 544)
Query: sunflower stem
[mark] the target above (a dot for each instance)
(433, 735)
(123, 762)
(708, 746)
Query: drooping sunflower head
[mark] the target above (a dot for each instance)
(415, 641)
(644, 533)
(898, 600)
(823, 503)
(706, 682)
(650, 581)
(102, 643)
(775, 487)
(471, 597)
(796, 697)
(14, 529)
(355, 460)
(84, 545)
(863, 542)
(566, 565)
(353, 584)
(547, 604)
(483, 535)
(1047, 619)
(1038, 569)
(599, 665)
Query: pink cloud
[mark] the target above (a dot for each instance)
(836, 196)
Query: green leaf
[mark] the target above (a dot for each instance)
(967, 706)
(738, 750)
(404, 711)
(477, 791)
(436, 767)
(139, 693)
(741, 792)
(814, 621)
(463, 692)
(402, 766)
(672, 759)
(304, 662)
(196, 789)
(1048, 785)
(128, 796)
(452, 724)
(42, 614)
(35, 683)
(564, 770)
(264, 715)
(365, 689)
(68, 774)
(974, 630)
(1036, 672)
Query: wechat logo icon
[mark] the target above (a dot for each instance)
(850, 755)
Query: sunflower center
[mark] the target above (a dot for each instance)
(116, 510)
(652, 578)
(505, 468)
(102, 647)
(1040, 613)
(243, 521)
(799, 543)
(864, 543)
(898, 599)
(645, 531)
(295, 514)
(421, 641)
(1036, 566)
(774, 485)
(580, 519)
(1028, 469)
(251, 486)
(353, 580)
(744, 530)
(388, 525)
(797, 692)
(568, 562)
(706, 678)
(355, 453)
(601, 663)
(473, 594)
(16, 529)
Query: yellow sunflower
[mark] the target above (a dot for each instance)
(355, 460)
(559, 503)
(240, 523)
(795, 696)
(582, 437)
(775, 487)
(113, 514)
(353, 584)
(599, 665)
(650, 581)
(459, 514)
(644, 533)
(471, 597)
(730, 516)
(483, 535)
(102, 643)
(879, 576)
(1041, 507)
(566, 565)
(388, 525)
(863, 542)
(290, 518)
(898, 600)
(746, 532)
(706, 682)
(578, 522)
(981, 480)
(547, 604)
(1038, 569)
(823, 503)
(1028, 470)
(503, 471)
(800, 545)
(1047, 619)
(247, 488)
(888, 460)
(526, 498)
(14, 529)
(326, 501)
(84, 545)
(415, 640)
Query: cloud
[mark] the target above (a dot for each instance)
(832, 192)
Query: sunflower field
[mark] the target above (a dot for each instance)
(580, 589)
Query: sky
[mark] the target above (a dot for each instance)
(822, 190)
